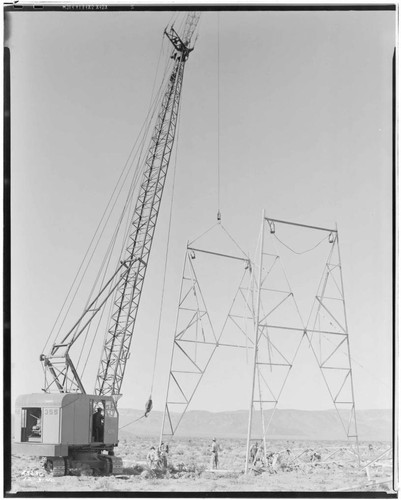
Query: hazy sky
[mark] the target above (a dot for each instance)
(305, 133)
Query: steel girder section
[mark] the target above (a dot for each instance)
(119, 336)
(63, 375)
(274, 349)
(329, 340)
(195, 342)
(190, 26)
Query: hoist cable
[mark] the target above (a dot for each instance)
(218, 113)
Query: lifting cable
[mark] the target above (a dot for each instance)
(218, 117)
(203, 234)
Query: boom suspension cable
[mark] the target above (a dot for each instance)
(126, 210)
(104, 218)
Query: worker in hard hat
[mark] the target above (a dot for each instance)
(214, 459)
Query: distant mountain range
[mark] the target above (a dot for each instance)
(373, 425)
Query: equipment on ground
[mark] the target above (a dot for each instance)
(69, 428)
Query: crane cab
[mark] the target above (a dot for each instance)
(57, 425)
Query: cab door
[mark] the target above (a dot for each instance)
(110, 423)
(51, 425)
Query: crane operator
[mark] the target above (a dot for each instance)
(97, 426)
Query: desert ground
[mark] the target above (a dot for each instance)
(188, 470)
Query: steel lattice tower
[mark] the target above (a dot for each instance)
(280, 331)
(264, 315)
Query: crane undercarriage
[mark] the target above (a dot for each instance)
(83, 462)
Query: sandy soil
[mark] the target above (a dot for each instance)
(189, 459)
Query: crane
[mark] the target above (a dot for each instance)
(65, 425)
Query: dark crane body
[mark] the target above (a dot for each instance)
(69, 428)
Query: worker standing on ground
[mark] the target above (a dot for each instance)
(253, 452)
(214, 459)
(259, 456)
(158, 460)
(163, 449)
(97, 426)
(151, 457)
